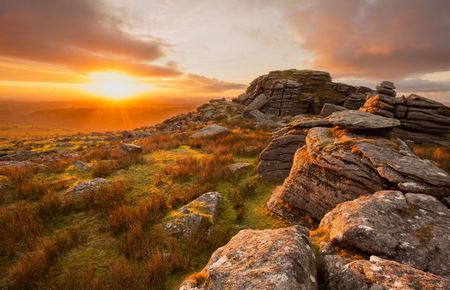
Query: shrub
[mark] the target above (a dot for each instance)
(31, 268)
(18, 224)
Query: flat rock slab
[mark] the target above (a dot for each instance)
(261, 259)
(189, 218)
(357, 120)
(210, 131)
(378, 274)
(86, 186)
(329, 109)
(239, 167)
(413, 229)
(130, 148)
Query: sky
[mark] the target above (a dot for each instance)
(55, 49)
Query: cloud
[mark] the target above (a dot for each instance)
(199, 84)
(374, 38)
(82, 35)
(421, 85)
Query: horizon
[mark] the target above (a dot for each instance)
(126, 50)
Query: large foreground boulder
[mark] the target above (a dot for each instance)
(411, 228)
(338, 165)
(261, 259)
(202, 211)
(378, 274)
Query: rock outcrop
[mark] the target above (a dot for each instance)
(377, 274)
(261, 259)
(411, 228)
(293, 92)
(415, 113)
(338, 165)
(201, 211)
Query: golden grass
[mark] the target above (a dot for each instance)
(31, 268)
(441, 155)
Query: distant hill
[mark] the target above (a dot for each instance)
(101, 118)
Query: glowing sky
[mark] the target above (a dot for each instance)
(49, 48)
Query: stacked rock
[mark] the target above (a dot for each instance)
(382, 102)
(415, 113)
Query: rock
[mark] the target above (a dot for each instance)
(357, 120)
(131, 148)
(293, 92)
(410, 228)
(202, 211)
(421, 137)
(210, 131)
(239, 166)
(261, 259)
(86, 186)
(80, 165)
(276, 158)
(328, 109)
(378, 274)
(256, 115)
(259, 102)
(339, 165)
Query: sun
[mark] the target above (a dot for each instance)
(115, 85)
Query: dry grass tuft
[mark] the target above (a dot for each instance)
(162, 142)
(441, 155)
(239, 142)
(106, 197)
(18, 224)
(31, 268)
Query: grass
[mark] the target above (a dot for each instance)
(123, 244)
(440, 155)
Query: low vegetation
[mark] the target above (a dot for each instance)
(113, 237)
(440, 155)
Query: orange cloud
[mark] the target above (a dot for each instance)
(81, 35)
(374, 38)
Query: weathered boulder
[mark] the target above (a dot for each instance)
(293, 92)
(261, 259)
(210, 131)
(411, 228)
(239, 167)
(357, 120)
(130, 148)
(89, 185)
(378, 274)
(337, 165)
(328, 109)
(202, 211)
(276, 158)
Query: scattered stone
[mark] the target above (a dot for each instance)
(201, 211)
(131, 148)
(409, 228)
(210, 131)
(339, 165)
(239, 167)
(357, 120)
(328, 109)
(80, 165)
(86, 186)
(378, 274)
(261, 259)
